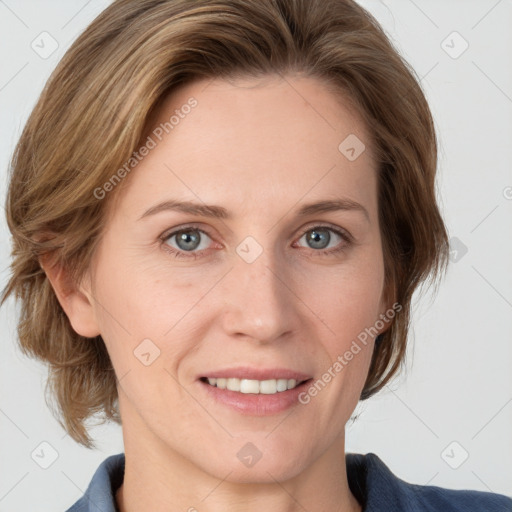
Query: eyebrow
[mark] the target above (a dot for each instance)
(218, 212)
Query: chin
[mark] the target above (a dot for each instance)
(261, 473)
(259, 462)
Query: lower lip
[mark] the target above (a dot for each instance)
(256, 404)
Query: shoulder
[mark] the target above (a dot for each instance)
(100, 494)
(432, 498)
(374, 485)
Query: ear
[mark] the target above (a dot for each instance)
(76, 301)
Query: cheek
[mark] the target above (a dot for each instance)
(142, 297)
(144, 314)
(349, 308)
(347, 302)
(349, 311)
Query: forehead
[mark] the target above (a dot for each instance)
(272, 138)
(273, 105)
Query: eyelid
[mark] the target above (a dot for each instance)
(323, 224)
(173, 231)
(342, 232)
(186, 227)
(302, 230)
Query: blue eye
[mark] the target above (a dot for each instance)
(187, 240)
(320, 237)
(192, 242)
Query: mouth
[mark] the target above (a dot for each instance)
(253, 386)
(254, 397)
(254, 391)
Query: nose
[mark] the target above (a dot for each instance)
(259, 300)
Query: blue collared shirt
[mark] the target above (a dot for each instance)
(369, 479)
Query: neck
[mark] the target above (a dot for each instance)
(159, 479)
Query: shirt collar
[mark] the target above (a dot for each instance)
(369, 479)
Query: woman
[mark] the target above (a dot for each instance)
(220, 211)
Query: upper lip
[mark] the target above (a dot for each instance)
(246, 372)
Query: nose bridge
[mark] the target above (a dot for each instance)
(258, 300)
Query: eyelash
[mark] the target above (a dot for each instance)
(344, 235)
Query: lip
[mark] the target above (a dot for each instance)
(247, 372)
(251, 403)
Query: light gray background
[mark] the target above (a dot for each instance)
(456, 395)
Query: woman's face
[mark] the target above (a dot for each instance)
(257, 282)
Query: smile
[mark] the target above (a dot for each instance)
(265, 387)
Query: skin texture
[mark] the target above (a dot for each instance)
(261, 149)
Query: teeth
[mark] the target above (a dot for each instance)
(266, 387)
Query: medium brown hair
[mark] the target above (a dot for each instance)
(92, 115)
